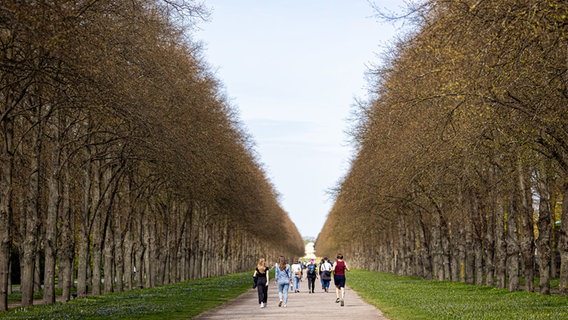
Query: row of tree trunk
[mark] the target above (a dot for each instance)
(121, 163)
(461, 170)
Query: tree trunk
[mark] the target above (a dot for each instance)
(108, 261)
(544, 229)
(446, 247)
(401, 266)
(554, 234)
(513, 243)
(96, 230)
(490, 243)
(54, 199)
(128, 258)
(32, 220)
(111, 186)
(469, 250)
(37, 270)
(527, 231)
(478, 252)
(437, 250)
(83, 241)
(479, 227)
(66, 252)
(424, 254)
(140, 250)
(6, 223)
(151, 261)
(563, 241)
(119, 244)
(461, 251)
(83, 244)
(500, 243)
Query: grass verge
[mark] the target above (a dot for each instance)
(177, 301)
(403, 298)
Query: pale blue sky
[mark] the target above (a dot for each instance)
(293, 69)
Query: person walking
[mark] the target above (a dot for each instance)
(262, 279)
(297, 270)
(326, 268)
(320, 272)
(284, 279)
(311, 275)
(339, 268)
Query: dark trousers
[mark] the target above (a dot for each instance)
(262, 290)
(311, 283)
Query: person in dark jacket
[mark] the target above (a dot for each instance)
(311, 274)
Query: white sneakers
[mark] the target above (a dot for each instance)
(262, 305)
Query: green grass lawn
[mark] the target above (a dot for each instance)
(401, 298)
(178, 301)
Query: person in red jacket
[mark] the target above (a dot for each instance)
(339, 268)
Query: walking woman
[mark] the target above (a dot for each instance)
(326, 269)
(311, 274)
(261, 275)
(320, 270)
(297, 270)
(284, 278)
(339, 268)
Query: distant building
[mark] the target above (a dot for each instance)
(310, 251)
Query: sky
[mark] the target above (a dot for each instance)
(293, 69)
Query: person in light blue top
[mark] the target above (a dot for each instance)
(284, 279)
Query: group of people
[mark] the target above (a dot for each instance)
(288, 277)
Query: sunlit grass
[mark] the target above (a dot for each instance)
(412, 298)
(178, 301)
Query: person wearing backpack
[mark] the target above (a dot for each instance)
(326, 268)
(284, 279)
(320, 272)
(311, 274)
(297, 270)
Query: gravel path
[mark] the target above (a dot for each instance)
(302, 304)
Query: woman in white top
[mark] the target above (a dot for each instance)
(325, 269)
(297, 271)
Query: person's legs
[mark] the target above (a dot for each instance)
(341, 287)
(296, 282)
(286, 285)
(260, 293)
(264, 294)
(282, 291)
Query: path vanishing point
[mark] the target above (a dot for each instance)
(302, 305)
